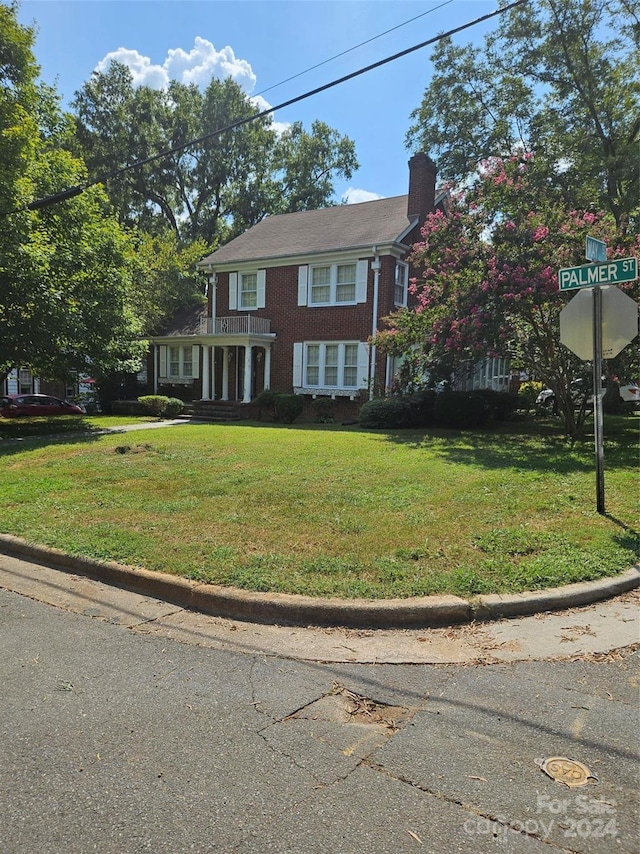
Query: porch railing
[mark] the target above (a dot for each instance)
(245, 325)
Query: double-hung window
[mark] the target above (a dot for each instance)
(333, 284)
(331, 365)
(178, 362)
(248, 290)
(401, 283)
(174, 361)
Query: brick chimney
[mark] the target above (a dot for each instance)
(422, 186)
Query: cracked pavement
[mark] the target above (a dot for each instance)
(120, 734)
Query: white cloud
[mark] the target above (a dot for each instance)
(200, 65)
(353, 196)
(204, 62)
(142, 71)
(261, 105)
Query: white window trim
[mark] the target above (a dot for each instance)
(300, 363)
(405, 266)
(235, 290)
(164, 366)
(305, 280)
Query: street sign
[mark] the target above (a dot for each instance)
(619, 323)
(592, 275)
(596, 250)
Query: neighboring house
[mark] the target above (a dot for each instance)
(23, 381)
(293, 301)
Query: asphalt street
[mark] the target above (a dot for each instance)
(118, 738)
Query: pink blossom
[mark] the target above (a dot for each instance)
(540, 233)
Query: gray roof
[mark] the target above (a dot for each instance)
(186, 322)
(331, 229)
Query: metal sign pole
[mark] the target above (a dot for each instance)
(597, 397)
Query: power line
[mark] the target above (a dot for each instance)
(351, 49)
(75, 191)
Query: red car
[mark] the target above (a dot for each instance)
(12, 405)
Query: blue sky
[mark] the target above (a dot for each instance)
(261, 44)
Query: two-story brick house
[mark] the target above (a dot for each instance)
(293, 301)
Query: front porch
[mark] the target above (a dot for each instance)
(224, 358)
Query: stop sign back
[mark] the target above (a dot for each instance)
(619, 322)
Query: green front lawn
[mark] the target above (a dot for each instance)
(333, 511)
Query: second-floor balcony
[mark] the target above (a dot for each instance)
(238, 325)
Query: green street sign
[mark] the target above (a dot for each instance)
(592, 275)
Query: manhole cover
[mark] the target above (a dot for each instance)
(568, 771)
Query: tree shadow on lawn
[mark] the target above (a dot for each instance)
(16, 438)
(528, 446)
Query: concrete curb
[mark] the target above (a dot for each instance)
(282, 608)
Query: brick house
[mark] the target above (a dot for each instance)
(293, 301)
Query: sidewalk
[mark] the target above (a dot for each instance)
(154, 609)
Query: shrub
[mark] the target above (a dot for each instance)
(387, 413)
(423, 407)
(174, 407)
(126, 407)
(528, 393)
(461, 409)
(501, 404)
(323, 407)
(154, 404)
(266, 401)
(287, 407)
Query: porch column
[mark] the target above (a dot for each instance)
(156, 367)
(206, 382)
(247, 374)
(225, 373)
(267, 366)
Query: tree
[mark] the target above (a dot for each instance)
(489, 278)
(212, 189)
(166, 280)
(559, 78)
(65, 270)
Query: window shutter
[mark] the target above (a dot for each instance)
(261, 279)
(195, 359)
(163, 360)
(363, 365)
(233, 291)
(303, 277)
(297, 365)
(362, 270)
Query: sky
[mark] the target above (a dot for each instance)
(262, 43)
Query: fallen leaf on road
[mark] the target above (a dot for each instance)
(415, 836)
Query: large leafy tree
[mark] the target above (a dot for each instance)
(488, 283)
(212, 189)
(166, 280)
(65, 269)
(560, 78)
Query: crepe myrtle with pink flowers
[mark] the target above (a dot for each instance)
(488, 284)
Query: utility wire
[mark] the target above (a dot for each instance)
(75, 191)
(351, 49)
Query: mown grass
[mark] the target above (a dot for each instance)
(333, 511)
(13, 428)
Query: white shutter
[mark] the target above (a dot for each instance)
(195, 361)
(261, 279)
(303, 278)
(233, 291)
(163, 360)
(297, 365)
(362, 270)
(363, 365)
